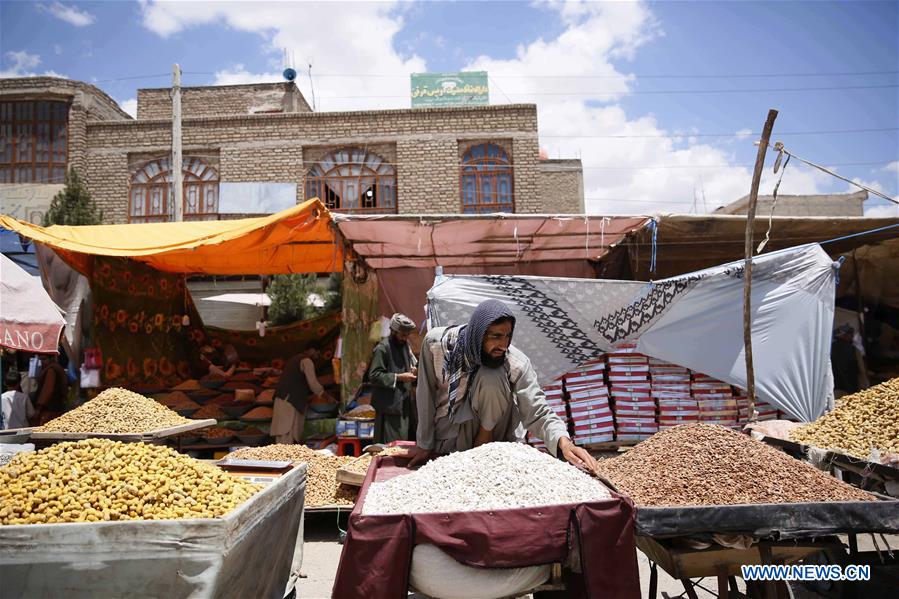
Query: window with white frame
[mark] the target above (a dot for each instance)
(353, 180)
(151, 196)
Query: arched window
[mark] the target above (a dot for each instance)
(150, 196)
(486, 180)
(353, 180)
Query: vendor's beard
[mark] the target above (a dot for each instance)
(492, 361)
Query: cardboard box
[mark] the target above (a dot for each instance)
(347, 428)
(594, 438)
(366, 430)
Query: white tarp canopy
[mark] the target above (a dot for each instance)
(694, 320)
(249, 299)
(29, 320)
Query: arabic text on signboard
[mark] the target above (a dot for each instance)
(450, 89)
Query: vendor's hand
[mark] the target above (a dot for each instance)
(406, 377)
(418, 455)
(577, 456)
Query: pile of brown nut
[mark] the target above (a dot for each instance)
(360, 465)
(859, 423)
(97, 479)
(322, 487)
(115, 410)
(706, 464)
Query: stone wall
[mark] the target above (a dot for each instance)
(222, 100)
(423, 143)
(561, 186)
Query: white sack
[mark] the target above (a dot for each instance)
(438, 575)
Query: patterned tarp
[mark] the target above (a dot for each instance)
(694, 320)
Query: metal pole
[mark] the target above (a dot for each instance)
(177, 175)
(747, 271)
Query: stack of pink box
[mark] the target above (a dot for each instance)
(635, 409)
(588, 400)
(555, 399)
(671, 391)
(765, 410)
(716, 401)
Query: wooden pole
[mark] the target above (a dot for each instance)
(177, 175)
(747, 271)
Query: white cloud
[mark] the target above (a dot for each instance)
(580, 60)
(130, 106)
(21, 64)
(882, 211)
(892, 167)
(366, 31)
(69, 14)
(873, 184)
(57, 49)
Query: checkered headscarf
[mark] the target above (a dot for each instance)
(464, 355)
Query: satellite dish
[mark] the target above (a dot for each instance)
(290, 74)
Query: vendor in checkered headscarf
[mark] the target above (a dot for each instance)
(391, 375)
(475, 387)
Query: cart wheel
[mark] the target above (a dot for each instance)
(830, 589)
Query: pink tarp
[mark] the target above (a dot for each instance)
(29, 320)
(481, 240)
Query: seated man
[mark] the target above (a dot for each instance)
(217, 362)
(475, 387)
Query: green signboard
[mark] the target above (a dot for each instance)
(450, 89)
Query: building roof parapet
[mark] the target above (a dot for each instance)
(26, 86)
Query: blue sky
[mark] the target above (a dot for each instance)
(639, 91)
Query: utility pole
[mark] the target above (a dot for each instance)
(747, 269)
(177, 175)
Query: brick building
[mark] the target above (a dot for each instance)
(246, 144)
(43, 130)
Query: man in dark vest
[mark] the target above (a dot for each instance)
(297, 383)
(392, 375)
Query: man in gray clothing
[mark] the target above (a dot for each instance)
(475, 387)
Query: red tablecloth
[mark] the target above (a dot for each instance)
(377, 556)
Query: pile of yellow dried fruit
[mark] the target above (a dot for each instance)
(115, 410)
(97, 479)
(859, 423)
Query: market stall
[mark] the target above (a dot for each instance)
(29, 320)
(564, 323)
(147, 333)
(710, 500)
(205, 539)
(859, 438)
(399, 514)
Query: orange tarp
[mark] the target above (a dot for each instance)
(297, 240)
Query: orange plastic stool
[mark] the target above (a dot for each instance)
(353, 443)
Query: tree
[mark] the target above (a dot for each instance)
(290, 297)
(73, 205)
